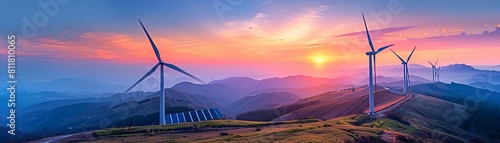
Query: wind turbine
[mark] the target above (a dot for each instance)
(437, 73)
(406, 74)
(160, 64)
(371, 55)
(433, 70)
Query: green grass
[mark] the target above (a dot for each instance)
(356, 120)
(393, 125)
(192, 125)
(355, 128)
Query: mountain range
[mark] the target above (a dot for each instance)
(430, 115)
(274, 99)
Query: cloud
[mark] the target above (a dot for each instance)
(89, 45)
(262, 30)
(378, 32)
(445, 30)
(454, 41)
(486, 34)
(267, 2)
(260, 15)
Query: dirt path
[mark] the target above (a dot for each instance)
(381, 113)
(61, 137)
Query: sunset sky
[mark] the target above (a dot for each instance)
(103, 41)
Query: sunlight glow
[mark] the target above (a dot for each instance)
(319, 60)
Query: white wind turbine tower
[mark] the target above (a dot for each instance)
(437, 73)
(371, 55)
(161, 64)
(406, 74)
(434, 70)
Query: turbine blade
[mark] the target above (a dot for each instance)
(151, 41)
(184, 72)
(431, 63)
(368, 34)
(143, 77)
(383, 48)
(398, 56)
(408, 60)
(436, 62)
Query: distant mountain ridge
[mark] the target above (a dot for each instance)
(457, 90)
(460, 73)
(486, 85)
(264, 99)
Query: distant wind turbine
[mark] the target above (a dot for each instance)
(371, 55)
(161, 64)
(434, 71)
(437, 73)
(406, 74)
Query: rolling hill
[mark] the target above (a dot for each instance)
(73, 116)
(486, 85)
(456, 90)
(479, 112)
(356, 128)
(249, 86)
(305, 91)
(437, 117)
(460, 73)
(325, 106)
(263, 100)
(424, 118)
(216, 92)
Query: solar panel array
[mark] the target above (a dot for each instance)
(194, 116)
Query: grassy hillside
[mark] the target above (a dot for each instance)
(325, 106)
(259, 101)
(356, 128)
(479, 109)
(84, 117)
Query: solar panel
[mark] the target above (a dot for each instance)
(188, 117)
(174, 118)
(207, 114)
(168, 117)
(219, 113)
(201, 115)
(194, 116)
(212, 111)
(181, 118)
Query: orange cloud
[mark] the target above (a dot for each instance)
(445, 30)
(262, 30)
(91, 45)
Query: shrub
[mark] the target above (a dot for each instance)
(223, 134)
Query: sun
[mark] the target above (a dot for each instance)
(318, 60)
